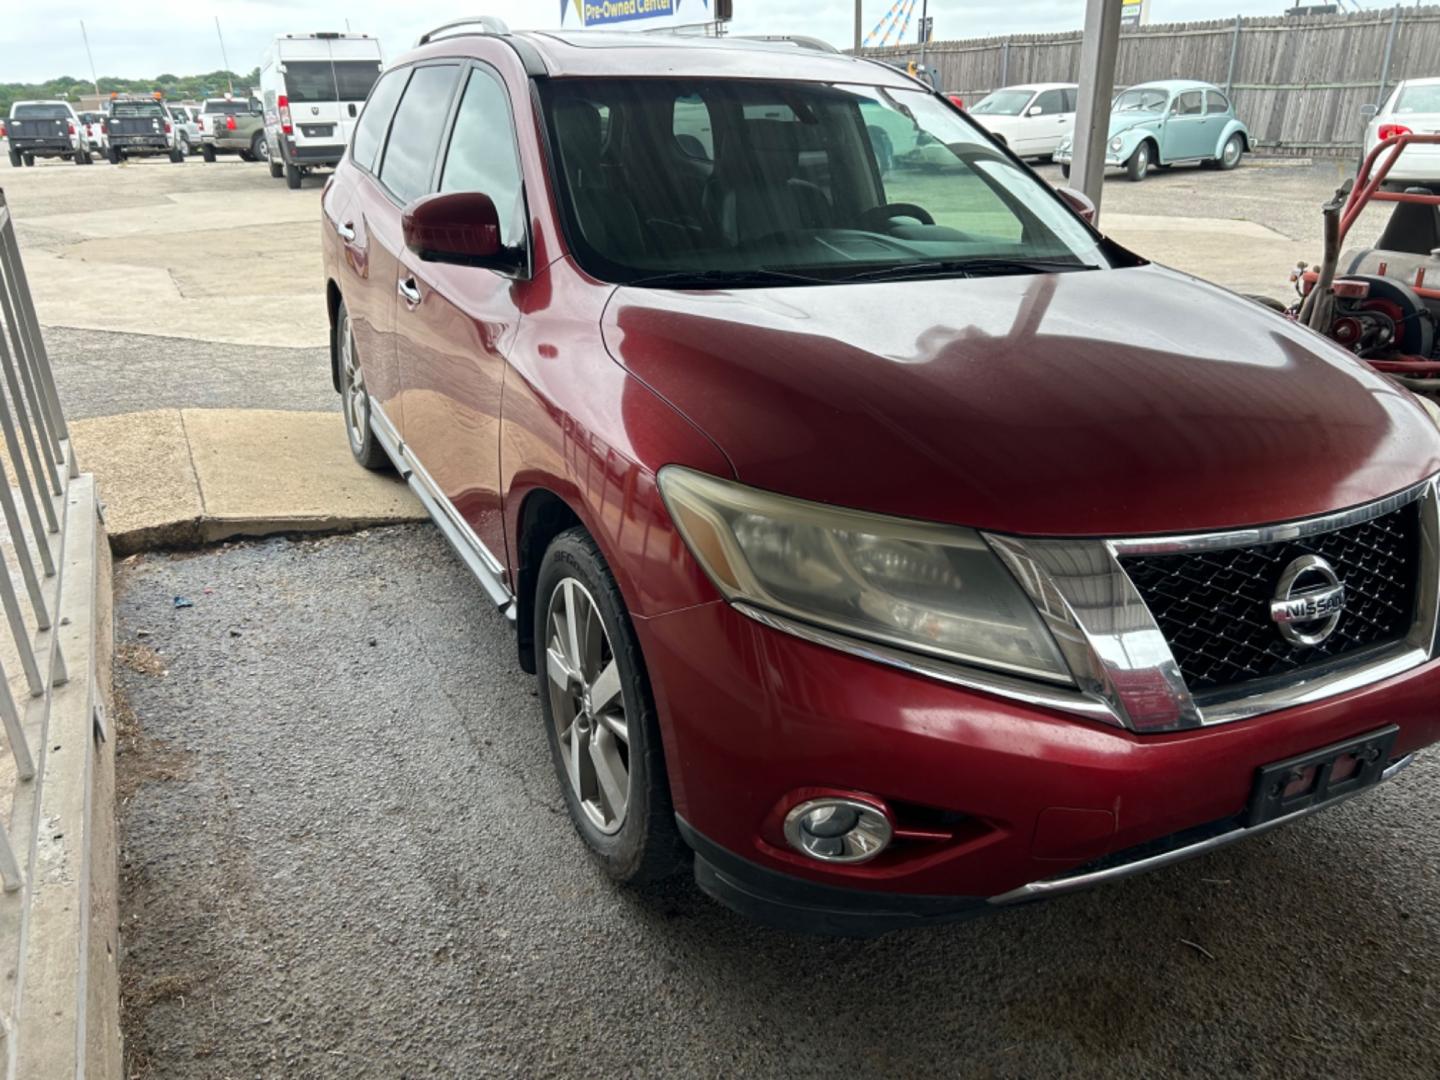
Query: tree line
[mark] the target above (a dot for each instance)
(176, 87)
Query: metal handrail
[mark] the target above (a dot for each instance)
(41, 465)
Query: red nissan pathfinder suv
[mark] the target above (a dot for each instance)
(876, 530)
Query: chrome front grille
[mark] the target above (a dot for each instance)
(1213, 606)
(1174, 632)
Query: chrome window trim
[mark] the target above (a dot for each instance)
(1119, 655)
(1035, 890)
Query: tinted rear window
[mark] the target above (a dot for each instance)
(126, 109)
(322, 80)
(234, 108)
(41, 112)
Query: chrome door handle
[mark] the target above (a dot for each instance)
(346, 231)
(409, 291)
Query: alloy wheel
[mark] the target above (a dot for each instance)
(355, 404)
(587, 706)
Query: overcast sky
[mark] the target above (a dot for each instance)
(39, 41)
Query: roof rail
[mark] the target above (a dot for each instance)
(803, 40)
(488, 24)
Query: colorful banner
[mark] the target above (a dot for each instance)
(603, 12)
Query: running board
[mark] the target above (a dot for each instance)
(473, 553)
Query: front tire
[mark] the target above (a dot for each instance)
(1139, 164)
(600, 716)
(355, 398)
(1233, 150)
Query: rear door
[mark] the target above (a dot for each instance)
(454, 342)
(366, 222)
(325, 86)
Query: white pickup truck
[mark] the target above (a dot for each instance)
(46, 129)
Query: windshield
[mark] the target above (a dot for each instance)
(309, 81)
(729, 181)
(1419, 99)
(1003, 102)
(1140, 100)
(41, 112)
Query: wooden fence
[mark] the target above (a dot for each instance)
(1298, 83)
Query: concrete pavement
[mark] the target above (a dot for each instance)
(179, 477)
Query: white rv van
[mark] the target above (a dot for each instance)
(313, 86)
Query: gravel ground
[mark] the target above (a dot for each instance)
(344, 855)
(177, 372)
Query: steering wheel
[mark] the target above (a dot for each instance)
(878, 217)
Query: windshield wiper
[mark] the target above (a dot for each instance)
(977, 267)
(702, 279)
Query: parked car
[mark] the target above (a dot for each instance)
(45, 129)
(140, 127)
(1032, 119)
(313, 87)
(92, 126)
(891, 547)
(1413, 108)
(1167, 123)
(232, 125)
(187, 130)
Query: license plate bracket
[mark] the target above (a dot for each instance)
(1319, 776)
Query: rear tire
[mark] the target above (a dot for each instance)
(177, 156)
(354, 398)
(1139, 164)
(277, 169)
(185, 148)
(600, 716)
(1233, 150)
(208, 153)
(113, 156)
(29, 160)
(1065, 169)
(15, 159)
(292, 177)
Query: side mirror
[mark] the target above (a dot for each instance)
(460, 227)
(1368, 111)
(1034, 110)
(1079, 202)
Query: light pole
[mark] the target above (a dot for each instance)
(93, 77)
(1098, 51)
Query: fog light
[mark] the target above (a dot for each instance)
(838, 830)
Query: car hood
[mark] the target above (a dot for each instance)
(1121, 402)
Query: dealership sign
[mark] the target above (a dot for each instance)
(601, 12)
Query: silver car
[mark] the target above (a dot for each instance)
(1414, 107)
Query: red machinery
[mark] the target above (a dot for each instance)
(1376, 301)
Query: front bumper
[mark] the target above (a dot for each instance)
(1112, 160)
(993, 796)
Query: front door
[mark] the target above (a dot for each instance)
(457, 323)
(1042, 124)
(1189, 133)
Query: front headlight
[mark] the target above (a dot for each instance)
(935, 589)
(1116, 144)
